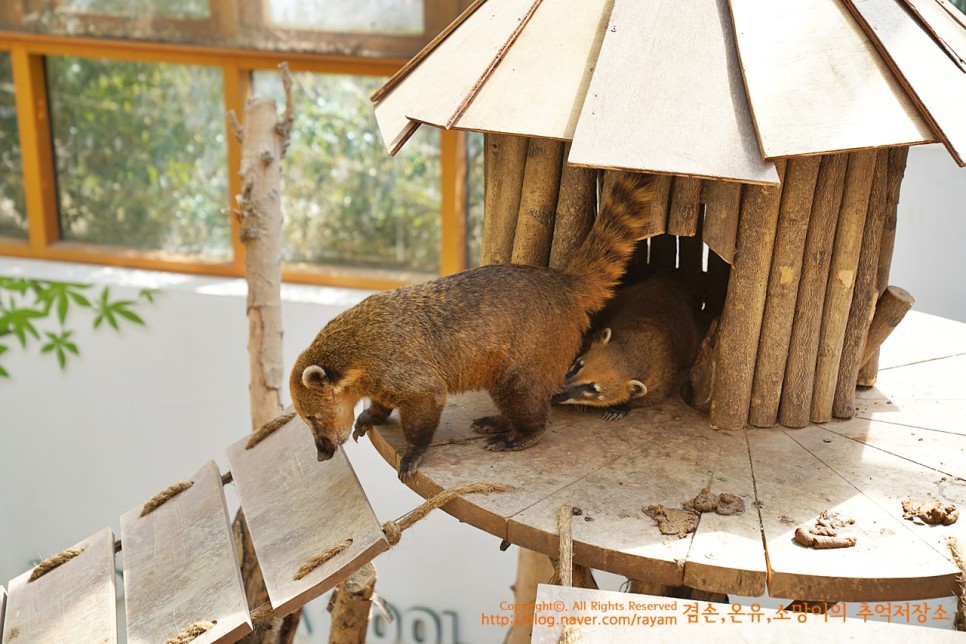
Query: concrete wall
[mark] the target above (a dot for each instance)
(144, 408)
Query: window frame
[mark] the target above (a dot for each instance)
(27, 53)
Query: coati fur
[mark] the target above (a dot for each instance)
(512, 330)
(646, 339)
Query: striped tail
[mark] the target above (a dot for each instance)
(599, 262)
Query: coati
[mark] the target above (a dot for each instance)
(646, 340)
(510, 329)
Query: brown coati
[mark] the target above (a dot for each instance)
(510, 329)
(645, 342)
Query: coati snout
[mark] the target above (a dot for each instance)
(325, 404)
(600, 377)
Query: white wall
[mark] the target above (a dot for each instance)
(145, 408)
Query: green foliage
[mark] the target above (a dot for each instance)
(30, 302)
(13, 214)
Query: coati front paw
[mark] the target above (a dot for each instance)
(490, 425)
(408, 466)
(362, 426)
(616, 412)
(510, 443)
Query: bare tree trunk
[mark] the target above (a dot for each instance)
(264, 141)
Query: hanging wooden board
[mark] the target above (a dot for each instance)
(296, 507)
(934, 78)
(74, 602)
(887, 480)
(793, 488)
(180, 567)
(946, 30)
(621, 618)
(539, 86)
(435, 90)
(666, 96)
(816, 84)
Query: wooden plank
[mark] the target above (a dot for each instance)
(957, 15)
(816, 84)
(621, 618)
(436, 88)
(934, 81)
(946, 30)
(180, 566)
(722, 201)
(887, 480)
(539, 86)
(685, 207)
(73, 602)
(296, 507)
(701, 126)
(793, 488)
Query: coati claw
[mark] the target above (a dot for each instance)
(490, 425)
(614, 413)
(360, 430)
(408, 466)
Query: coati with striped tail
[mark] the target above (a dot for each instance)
(510, 329)
(646, 340)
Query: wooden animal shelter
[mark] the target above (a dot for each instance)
(779, 133)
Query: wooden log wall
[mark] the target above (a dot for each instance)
(794, 271)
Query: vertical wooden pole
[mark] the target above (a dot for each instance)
(891, 307)
(659, 206)
(533, 568)
(685, 207)
(740, 325)
(538, 202)
(841, 281)
(865, 292)
(504, 158)
(576, 207)
(786, 269)
(722, 202)
(453, 227)
(800, 371)
(897, 168)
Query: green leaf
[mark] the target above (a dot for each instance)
(60, 344)
(18, 321)
(80, 300)
(148, 294)
(129, 315)
(3, 373)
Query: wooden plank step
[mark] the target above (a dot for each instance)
(620, 618)
(74, 602)
(928, 395)
(887, 480)
(435, 90)
(539, 87)
(793, 488)
(666, 96)
(934, 78)
(815, 82)
(180, 567)
(296, 507)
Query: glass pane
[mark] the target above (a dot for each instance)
(141, 158)
(13, 214)
(356, 16)
(474, 198)
(346, 202)
(183, 9)
(959, 4)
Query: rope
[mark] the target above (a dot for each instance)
(50, 563)
(563, 574)
(164, 496)
(394, 529)
(268, 429)
(957, 552)
(227, 478)
(315, 561)
(191, 632)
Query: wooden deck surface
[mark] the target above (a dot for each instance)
(908, 441)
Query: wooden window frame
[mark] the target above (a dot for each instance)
(27, 53)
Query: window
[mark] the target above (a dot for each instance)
(180, 9)
(474, 198)
(349, 16)
(13, 219)
(140, 154)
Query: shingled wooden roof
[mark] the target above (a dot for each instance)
(708, 88)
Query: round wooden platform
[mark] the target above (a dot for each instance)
(907, 441)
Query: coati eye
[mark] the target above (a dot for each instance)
(591, 390)
(596, 387)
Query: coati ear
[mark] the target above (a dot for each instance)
(314, 377)
(636, 388)
(603, 337)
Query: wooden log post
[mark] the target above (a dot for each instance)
(533, 568)
(350, 605)
(576, 207)
(740, 324)
(841, 280)
(538, 202)
(897, 168)
(786, 270)
(685, 207)
(889, 311)
(504, 158)
(722, 202)
(264, 141)
(865, 293)
(799, 378)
